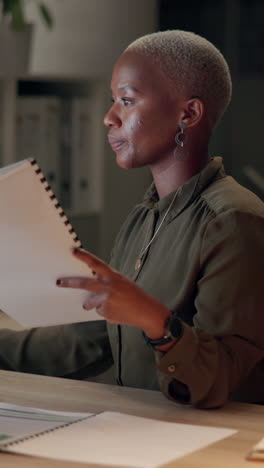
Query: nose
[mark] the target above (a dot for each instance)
(111, 118)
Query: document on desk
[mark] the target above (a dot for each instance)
(108, 438)
(257, 452)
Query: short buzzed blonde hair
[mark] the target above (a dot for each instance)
(194, 65)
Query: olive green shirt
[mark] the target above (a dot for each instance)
(206, 265)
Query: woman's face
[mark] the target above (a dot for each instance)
(145, 114)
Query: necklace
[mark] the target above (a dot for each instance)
(141, 255)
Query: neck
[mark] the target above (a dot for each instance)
(170, 176)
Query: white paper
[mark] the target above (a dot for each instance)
(120, 439)
(35, 250)
(17, 421)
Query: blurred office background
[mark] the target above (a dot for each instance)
(236, 27)
(70, 69)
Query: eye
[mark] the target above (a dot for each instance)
(126, 101)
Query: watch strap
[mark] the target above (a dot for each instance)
(173, 330)
(158, 342)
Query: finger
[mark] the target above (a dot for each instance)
(100, 310)
(88, 284)
(95, 300)
(104, 312)
(93, 262)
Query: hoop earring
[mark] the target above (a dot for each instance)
(181, 139)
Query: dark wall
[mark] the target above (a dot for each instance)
(197, 16)
(236, 27)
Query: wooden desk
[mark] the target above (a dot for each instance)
(69, 395)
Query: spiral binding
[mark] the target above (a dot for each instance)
(40, 434)
(55, 201)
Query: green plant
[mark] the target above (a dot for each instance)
(13, 10)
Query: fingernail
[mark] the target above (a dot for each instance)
(61, 282)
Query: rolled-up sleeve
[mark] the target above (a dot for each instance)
(216, 355)
(79, 350)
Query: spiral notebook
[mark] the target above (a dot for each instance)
(107, 438)
(36, 239)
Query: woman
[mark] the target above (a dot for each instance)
(182, 299)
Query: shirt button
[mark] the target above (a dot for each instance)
(171, 368)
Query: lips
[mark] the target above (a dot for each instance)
(115, 143)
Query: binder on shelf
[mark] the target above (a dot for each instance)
(36, 239)
(1, 137)
(63, 133)
(65, 161)
(38, 127)
(86, 161)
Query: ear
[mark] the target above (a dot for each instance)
(193, 111)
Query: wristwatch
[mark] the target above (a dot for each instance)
(173, 330)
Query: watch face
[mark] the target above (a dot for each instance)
(175, 326)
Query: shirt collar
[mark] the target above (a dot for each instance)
(188, 191)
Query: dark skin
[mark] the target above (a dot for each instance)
(144, 118)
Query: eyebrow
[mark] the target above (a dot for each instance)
(131, 88)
